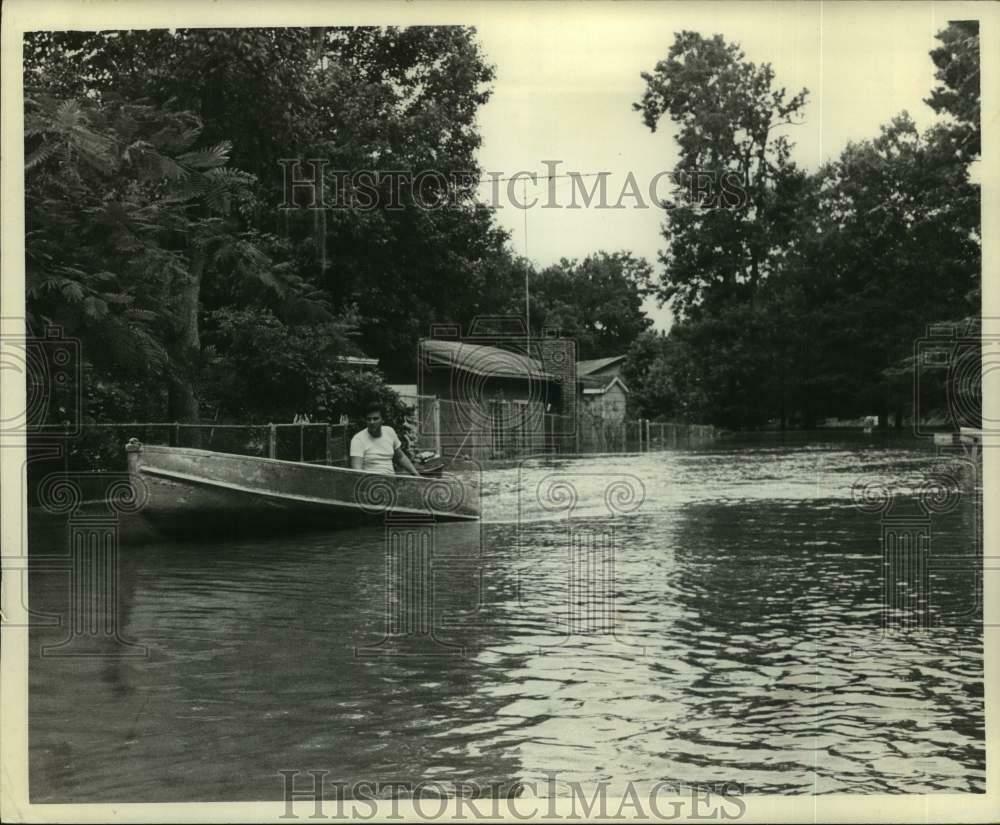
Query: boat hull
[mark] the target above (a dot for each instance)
(184, 490)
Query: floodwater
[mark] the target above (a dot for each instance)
(724, 615)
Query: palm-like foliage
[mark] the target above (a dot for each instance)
(124, 211)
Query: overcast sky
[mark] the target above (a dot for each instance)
(567, 76)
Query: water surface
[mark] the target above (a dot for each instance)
(712, 616)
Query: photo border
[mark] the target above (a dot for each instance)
(20, 16)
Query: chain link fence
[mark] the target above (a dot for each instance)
(100, 448)
(501, 429)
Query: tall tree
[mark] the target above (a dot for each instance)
(728, 116)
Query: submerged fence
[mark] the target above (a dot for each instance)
(506, 429)
(596, 435)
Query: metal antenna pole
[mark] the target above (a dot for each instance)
(527, 270)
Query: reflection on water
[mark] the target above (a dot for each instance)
(730, 629)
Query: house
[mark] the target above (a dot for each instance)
(460, 371)
(602, 392)
(492, 401)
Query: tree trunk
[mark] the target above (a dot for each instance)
(183, 406)
(183, 397)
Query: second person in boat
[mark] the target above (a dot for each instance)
(377, 448)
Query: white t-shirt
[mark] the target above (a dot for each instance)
(376, 452)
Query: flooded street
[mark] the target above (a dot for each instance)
(712, 616)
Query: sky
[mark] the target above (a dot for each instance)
(566, 78)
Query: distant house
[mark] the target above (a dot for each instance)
(601, 367)
(602, 392)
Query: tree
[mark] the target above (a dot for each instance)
(903, 251)
(728, 115)
(360, 98)
(124, 214)
(259, 367)
(597, 301)
(807, 303)
(958, 92)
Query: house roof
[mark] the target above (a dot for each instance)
(595, 364)
(482, 360)
(598, 385)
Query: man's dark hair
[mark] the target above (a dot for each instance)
(373, 408)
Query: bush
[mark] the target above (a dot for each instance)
(349, 393)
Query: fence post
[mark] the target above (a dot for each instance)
(302, 442)
(177, 434)
(647, 435)
(328, 446)
(272, 441)
(436, 413)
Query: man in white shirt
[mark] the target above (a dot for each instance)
(374, 448)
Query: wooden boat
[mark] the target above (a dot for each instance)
(199, 491)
